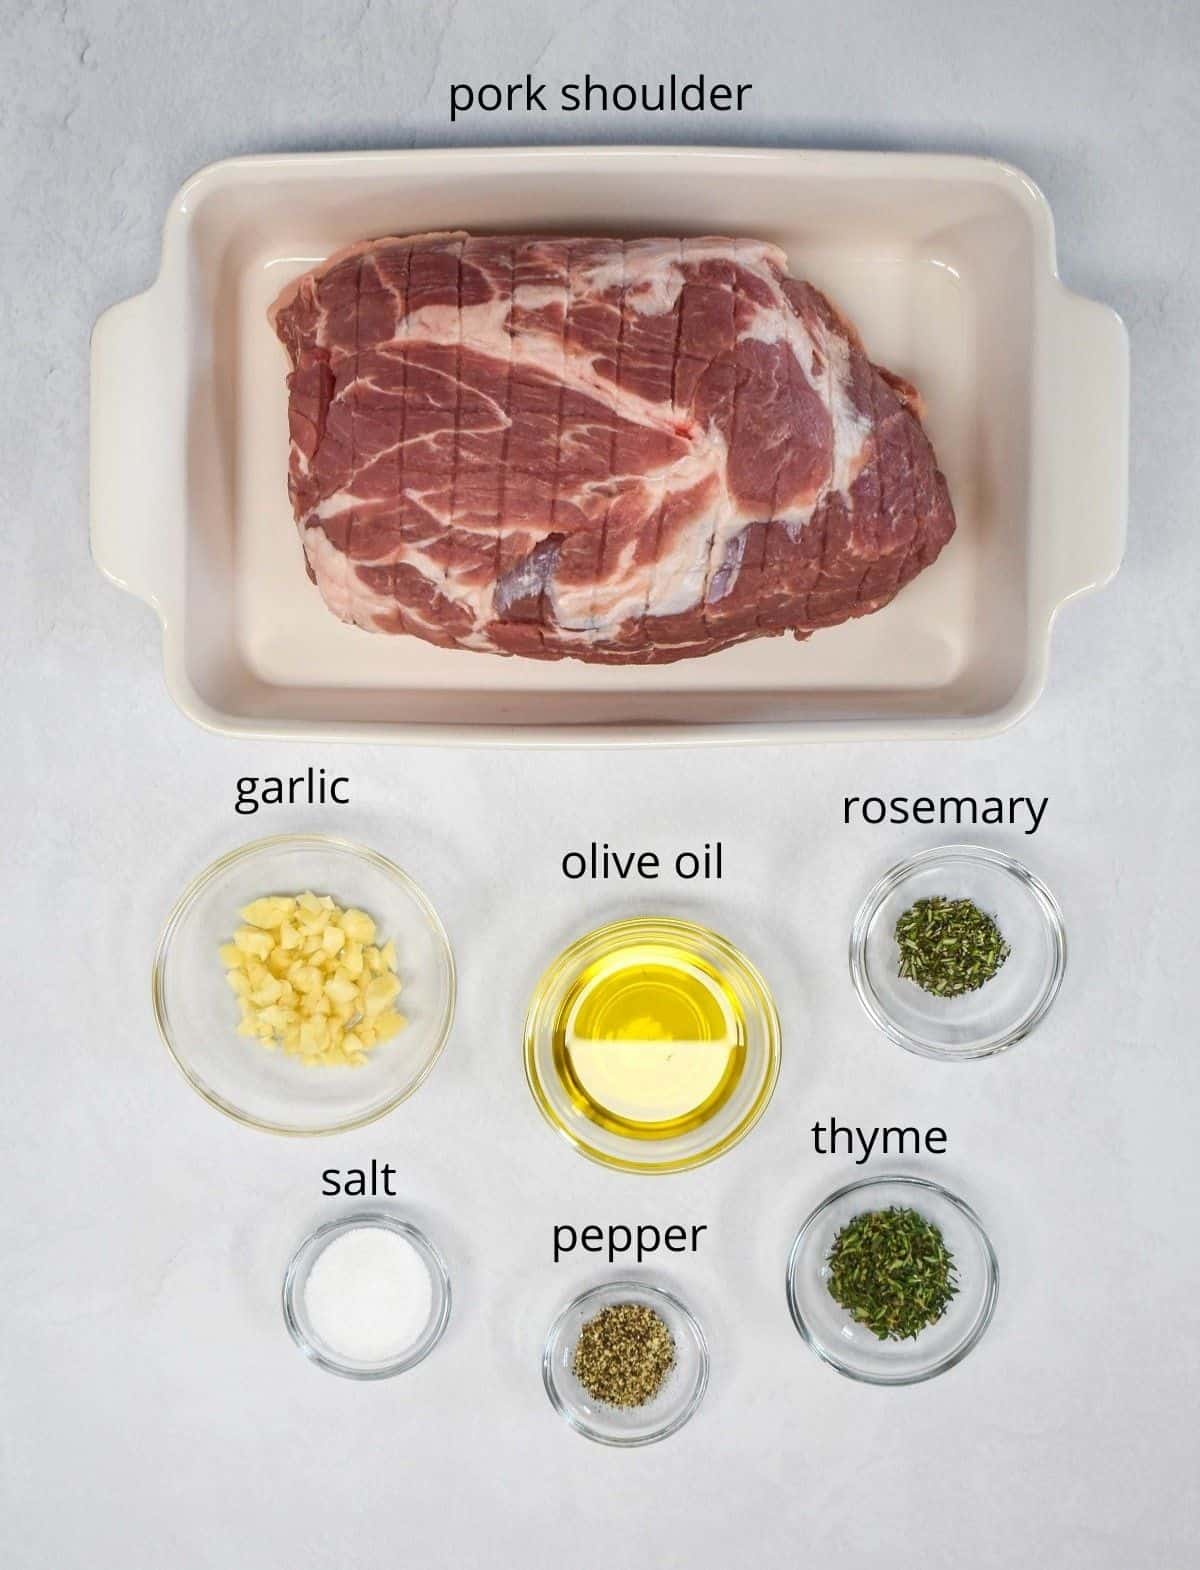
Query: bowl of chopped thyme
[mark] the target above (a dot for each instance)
(958, 952)
(892, 1280)
(625, 1363)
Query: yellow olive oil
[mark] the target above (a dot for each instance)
(650, 1039)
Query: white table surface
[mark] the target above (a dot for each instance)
(154, 1412)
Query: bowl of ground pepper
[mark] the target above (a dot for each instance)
(892, 1280)
(625, 1363)
(958, 952)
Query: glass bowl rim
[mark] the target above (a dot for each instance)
(695, 1331)
(868, 995)
(771, 1021)
(957, 1353)
(439, 1277)
(196, 885)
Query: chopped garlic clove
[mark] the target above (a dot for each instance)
(389, 1024)
(358, 926)
(252, 941)
(269, 913)
(309, 977)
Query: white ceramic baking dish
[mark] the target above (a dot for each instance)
(947, 266)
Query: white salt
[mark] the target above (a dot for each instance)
(368, 1295)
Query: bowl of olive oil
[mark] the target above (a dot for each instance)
(652, 1044)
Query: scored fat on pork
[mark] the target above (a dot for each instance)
(618, 451)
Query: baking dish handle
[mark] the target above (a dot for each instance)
(137, 467)
(1088, 428)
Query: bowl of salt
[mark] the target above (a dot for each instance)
(367, 1296)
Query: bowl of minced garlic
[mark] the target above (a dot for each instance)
(311, 978)
(306, 1011)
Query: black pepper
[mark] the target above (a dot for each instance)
(624, 1355)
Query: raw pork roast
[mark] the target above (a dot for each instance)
(626, 452)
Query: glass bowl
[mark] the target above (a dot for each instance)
(850, 1347)
(1004, 1009)
(197, 1013)
(682, 1390)
(733, 1112)
(295, 1314)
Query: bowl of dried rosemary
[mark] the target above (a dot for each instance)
(892, 1280)
(958, 952)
